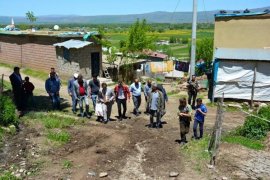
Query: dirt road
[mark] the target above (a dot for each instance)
(124, 150)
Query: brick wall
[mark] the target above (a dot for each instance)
(38, 53)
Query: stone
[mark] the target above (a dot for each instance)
(257, 104)
(91, 173)
(235, 105)
(28, 173)
(21, 170)
(224, 178)
(209, 166)
(18, 175)
(103, 174)
(173, 174)
(263, 105)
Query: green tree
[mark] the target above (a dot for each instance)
(31, 17)
(204, 50)
(138, 40)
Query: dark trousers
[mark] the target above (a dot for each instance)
(147, 107)
(120, 103)
(155, 113)
(19, 100)
(192, 97)
(74, 103)
(195, 125)
(137, 103)
(55, 101)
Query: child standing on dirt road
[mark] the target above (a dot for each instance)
(184, 114)
(199, 117)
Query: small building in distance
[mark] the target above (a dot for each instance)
(242, 56)
(66, 52)
(157, 56)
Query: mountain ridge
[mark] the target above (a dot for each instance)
(151, 17)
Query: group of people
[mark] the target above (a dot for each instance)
(103, 98)
(22, 90)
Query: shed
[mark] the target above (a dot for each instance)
(242, 56)
(66, 52)
(242, 73)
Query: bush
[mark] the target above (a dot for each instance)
(185, 41)
(7, 111)
(254, 127)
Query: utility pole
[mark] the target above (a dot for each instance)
(193, 39)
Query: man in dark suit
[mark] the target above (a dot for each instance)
(16, 82)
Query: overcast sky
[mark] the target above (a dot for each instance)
(114, 7)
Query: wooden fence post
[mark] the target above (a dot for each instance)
(216, 134)
(2, 84)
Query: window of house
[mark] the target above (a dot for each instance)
(66, 54)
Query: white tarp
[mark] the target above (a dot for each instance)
(235, 78)
(73, 44)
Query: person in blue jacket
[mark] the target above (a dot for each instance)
(200, 113)
(52, 86)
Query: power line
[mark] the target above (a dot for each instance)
(204, 9)
(178, 2)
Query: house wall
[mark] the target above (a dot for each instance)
(80, 61)
(38, 53)
(242, 32)
(28, 51)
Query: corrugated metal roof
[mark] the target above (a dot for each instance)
(240, 14)
(73, 44)
(243, 54)
(158, 55)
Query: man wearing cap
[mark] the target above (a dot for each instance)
(156, 105)
(71, 93)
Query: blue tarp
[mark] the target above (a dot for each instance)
(89, 34)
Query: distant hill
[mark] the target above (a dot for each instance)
(153, 17)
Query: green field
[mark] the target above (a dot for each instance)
(177, 49)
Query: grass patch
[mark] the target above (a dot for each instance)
(37, 74)
(62, 137)
(67, 164)
(249, 143)
(196, 151)
(7, 85)
(7, 65)
(52, 121)
(6, 175)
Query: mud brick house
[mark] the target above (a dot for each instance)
(68, 53)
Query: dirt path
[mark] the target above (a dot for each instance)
(39, 84)
(125, 150)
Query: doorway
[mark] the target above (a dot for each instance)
(95, 63)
